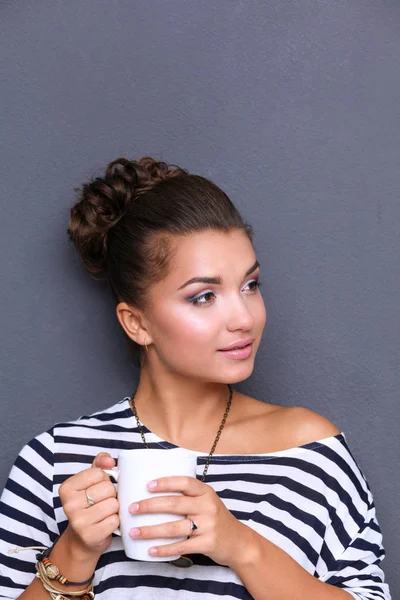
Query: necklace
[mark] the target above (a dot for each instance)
(185, 561)
(133, 407)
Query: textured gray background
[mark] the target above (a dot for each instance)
(294, 109)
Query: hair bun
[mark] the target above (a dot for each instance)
(100, 205)
(102, 202)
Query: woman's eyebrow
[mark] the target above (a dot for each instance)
(216, 280)
(253, 268)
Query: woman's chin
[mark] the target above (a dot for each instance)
(236, 373)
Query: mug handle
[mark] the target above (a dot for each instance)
(114, 473)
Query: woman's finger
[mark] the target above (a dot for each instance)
(97, 513)
(82, 480)
(190, 546)
(98, 492)
(179, 528)
(104, 461)
(190, 486)
(176, 505)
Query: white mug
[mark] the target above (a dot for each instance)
(135, 469)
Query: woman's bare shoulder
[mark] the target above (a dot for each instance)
(285, 427)
(306, 425)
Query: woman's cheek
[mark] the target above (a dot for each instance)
(200, 328)
(260, 312)
(197, 319)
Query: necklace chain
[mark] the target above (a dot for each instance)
(133, 407)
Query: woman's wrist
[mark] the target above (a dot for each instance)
(73, 561)
(248, 551)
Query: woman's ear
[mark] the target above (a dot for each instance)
(132, 321)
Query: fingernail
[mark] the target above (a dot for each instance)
(153, 551)
(152, 485)
(135, 532)
(134, 507)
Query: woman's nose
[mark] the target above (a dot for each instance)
(239, 316)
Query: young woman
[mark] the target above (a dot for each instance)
(283, 510)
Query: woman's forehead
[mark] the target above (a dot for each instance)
(211, 253)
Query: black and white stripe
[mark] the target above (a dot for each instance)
(312, 501)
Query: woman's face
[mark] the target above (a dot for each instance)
(191, 322)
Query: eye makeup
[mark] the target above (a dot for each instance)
(197, 299)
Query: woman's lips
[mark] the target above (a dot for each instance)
(239, 353)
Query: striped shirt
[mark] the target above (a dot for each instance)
(311, 501)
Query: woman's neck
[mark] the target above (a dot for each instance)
(180, 410)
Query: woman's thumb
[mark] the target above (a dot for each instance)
(104, 461)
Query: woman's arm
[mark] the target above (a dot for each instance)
(72, 561)
(27, 521)
(268, 573)
(89, 529)
(354, 569)
(27, 517)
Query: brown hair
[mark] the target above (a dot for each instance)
(123, 223)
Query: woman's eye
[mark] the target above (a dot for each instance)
(254, 283)
(206, 298)
(202, 299)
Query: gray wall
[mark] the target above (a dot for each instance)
(294, 109)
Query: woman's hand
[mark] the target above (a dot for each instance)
(90, 525)
(220, 535)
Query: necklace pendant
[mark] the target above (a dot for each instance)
(182, 561)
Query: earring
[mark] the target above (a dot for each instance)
(145, 345)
